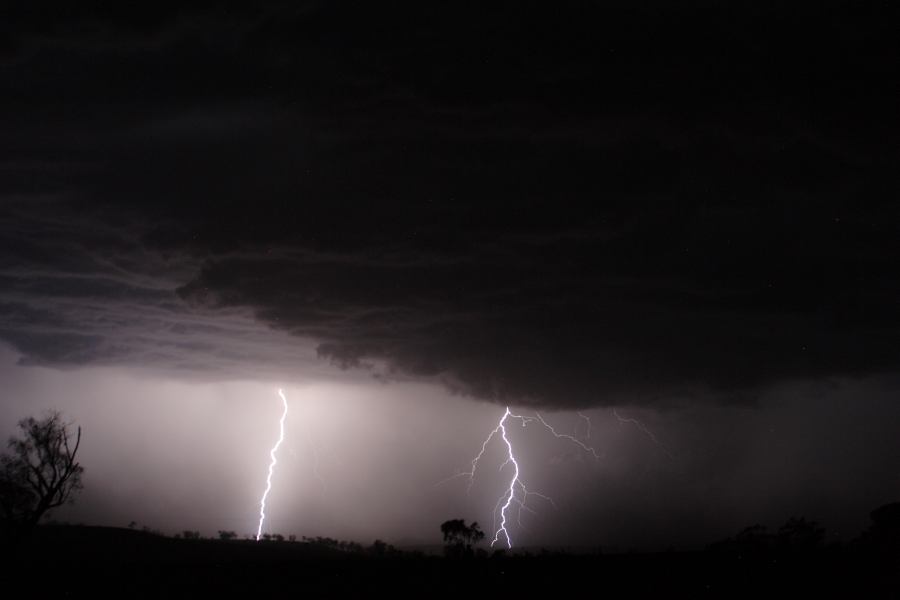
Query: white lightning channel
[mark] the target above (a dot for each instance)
(262, 502)
(471, 472)
(511, 493)
(643, 428)
(517, 493)
(588, 419)
(566, 436)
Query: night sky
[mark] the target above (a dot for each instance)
(412, 215)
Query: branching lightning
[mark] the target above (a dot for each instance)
(646, 431)
(262, 502)
(516, 493)
(566, 436)
(511, 493)
(588, 420)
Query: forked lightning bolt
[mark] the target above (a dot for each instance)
(511, 493)
(262, 502)
(517, 493)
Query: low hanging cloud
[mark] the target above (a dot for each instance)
(541, 320)
(543, 317)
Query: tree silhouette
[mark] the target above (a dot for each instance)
(797, 536)
(39, 472)
(459, 537)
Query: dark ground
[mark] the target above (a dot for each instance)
(75, 561)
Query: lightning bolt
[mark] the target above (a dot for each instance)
(262, 502)
(643, 428)
(516, 493)
(564, 436)
(588, 420)
(511, 493)
(471, 472)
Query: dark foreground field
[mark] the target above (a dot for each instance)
(69, 561)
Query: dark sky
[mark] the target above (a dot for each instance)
(686, 211)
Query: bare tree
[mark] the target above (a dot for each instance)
(39, 472)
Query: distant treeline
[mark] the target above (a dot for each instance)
(797, 535)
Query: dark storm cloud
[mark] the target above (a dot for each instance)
(79, 290)
(565, 207)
